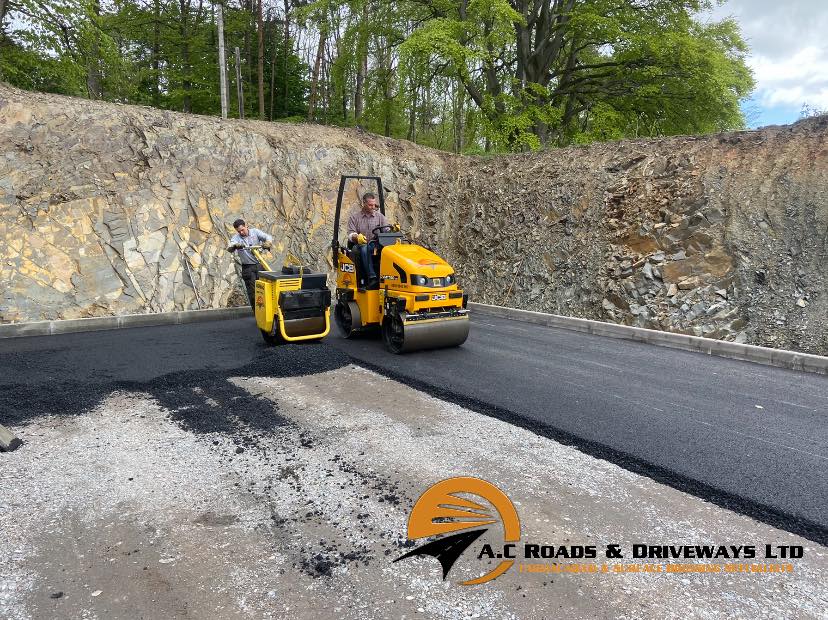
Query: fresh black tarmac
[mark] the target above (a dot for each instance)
(748, 437)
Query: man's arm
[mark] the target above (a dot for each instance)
(352, 227)
(262, 236)
(235, 243)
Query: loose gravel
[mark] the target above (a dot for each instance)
(282, 489)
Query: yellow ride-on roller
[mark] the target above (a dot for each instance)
(416, 303)
(293, 305)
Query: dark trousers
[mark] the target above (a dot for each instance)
(249, 275)
(366, 252)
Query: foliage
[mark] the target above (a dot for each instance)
(545, 71)
(462, 75)
(809, 111)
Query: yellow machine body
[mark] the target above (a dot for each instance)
(291, 307)
(418, 304)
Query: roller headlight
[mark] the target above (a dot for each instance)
(419, 280)
(449, 279)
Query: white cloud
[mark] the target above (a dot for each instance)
(799, 78)
(789, 51)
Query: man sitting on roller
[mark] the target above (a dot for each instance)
(361, 225)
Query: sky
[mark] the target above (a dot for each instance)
(789, 56)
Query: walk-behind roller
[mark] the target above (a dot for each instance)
(416, 303)
(293, 305)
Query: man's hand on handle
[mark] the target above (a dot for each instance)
(234, 246)
(357, 238)
(267, 245)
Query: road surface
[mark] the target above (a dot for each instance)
(748, 437)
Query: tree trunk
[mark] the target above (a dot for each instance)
(250, 7)
(362, 64)
(388, 104)
(222, 57)
(426, 110)
(285, 60)
(571, 110)
(459, 101)
(239, 84)
(320, 50)
(156, 53)
(3, 9)
(384, 51)
(362, 69)
(93, 74)
(326, 85)
(186, 84)
(272, 77)
(260, 25)
(412, 112)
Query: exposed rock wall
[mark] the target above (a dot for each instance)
(719, 236)
(115, 209)
(108, 209)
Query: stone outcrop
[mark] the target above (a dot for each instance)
(720, 236)
(109, 209)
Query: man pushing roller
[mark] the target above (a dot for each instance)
(244, 238)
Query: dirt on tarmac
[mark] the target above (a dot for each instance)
(262, 493)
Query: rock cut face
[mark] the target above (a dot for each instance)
(110, 209)
(720, 236)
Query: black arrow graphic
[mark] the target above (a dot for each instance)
(447, 549)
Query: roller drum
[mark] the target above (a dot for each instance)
(432, 335)
(305, 327)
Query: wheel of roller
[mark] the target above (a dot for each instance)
(348, 318)
(273, 337)
(403, 338)
(393, 334)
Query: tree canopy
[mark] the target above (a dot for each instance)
(461, 75)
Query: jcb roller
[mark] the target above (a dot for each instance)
(416, 302)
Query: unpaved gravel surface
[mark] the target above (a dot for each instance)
(274, 497)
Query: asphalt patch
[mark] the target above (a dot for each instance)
(200, 400)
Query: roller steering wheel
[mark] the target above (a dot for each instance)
(382, 229)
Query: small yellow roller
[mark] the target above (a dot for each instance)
(292, 305)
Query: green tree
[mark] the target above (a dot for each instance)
(461, 75)
(555, 71)
(152, 52)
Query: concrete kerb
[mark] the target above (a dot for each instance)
(761, 355)
(99, 323)
(792, 360)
